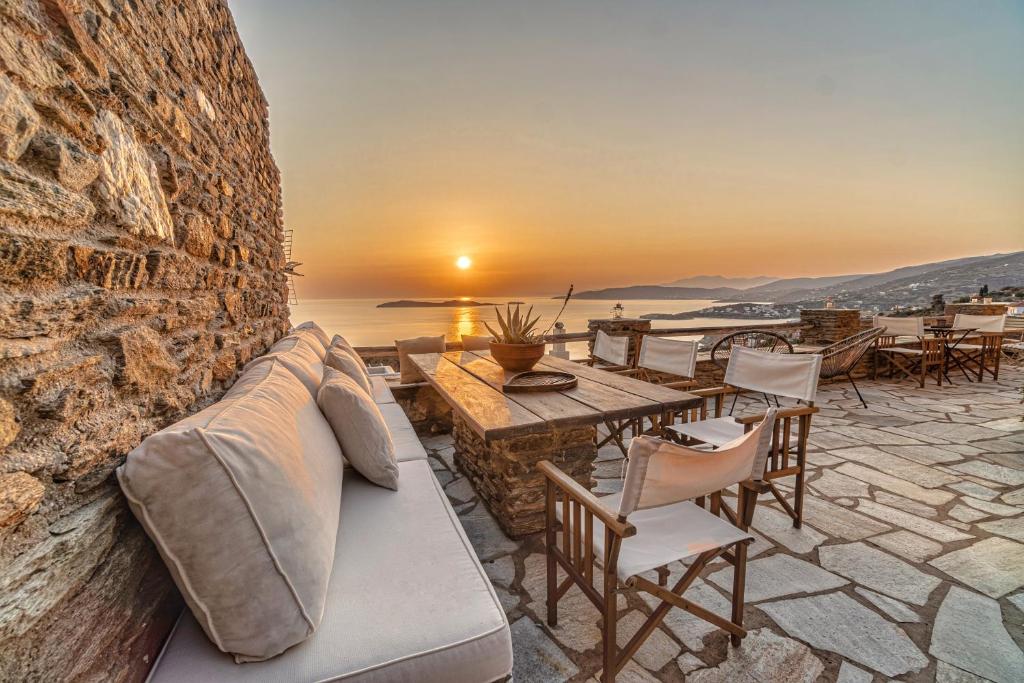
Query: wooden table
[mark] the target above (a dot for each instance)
(500, 438)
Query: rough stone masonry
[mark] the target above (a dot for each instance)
(140, 266)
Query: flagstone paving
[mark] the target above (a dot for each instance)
(909, 565)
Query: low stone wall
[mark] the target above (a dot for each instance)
(975, 309)
(828, 325)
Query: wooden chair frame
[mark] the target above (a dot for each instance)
(576, 558)
(783, 450)
(918, 367)
(981, 356)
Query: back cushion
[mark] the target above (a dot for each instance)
(337, 359)
(316, 330)
(242, 501)
(299, 356)
(407, 347)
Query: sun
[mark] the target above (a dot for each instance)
(463, 262)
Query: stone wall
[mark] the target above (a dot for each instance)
(975, 309)
(828, 325)
(140, 267)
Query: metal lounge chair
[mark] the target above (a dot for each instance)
(633, 536)
(841, 358)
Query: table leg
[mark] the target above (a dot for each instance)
(503, 472)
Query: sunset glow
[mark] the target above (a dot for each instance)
(637, 142)
(463, 263)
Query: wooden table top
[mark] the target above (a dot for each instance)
(471, 384)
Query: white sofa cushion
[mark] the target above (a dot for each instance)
(242, 502)
(341, 361)
(359, 428)
(407, 444)
(297, 353)
(408, 601)
(316, 330)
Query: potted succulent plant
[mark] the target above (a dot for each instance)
(517, 348)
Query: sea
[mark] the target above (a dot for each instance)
(363, 324)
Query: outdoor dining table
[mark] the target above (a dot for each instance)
(500, 437)
(945, 333)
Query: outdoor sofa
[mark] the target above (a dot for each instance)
(406, 599)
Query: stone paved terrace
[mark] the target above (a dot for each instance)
(910, 565)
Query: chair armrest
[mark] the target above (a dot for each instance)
(627, 372)
(756, 486)
(585, 498)
(798, 411)
(681, 384)
(713, 391)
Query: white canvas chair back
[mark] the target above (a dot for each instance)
(900, 327)
(793, 375)
(980, 323)
(661, 472)
(610, 349)
(475, 343)
(674, 356)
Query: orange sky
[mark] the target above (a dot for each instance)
(611, 144)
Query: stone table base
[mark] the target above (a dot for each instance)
(504, 471)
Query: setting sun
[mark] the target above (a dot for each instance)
(463, 262)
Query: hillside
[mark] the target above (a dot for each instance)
(656, 292)
(910, 285)
(713, 281)
(970, 275)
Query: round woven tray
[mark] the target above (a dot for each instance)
(539, 380)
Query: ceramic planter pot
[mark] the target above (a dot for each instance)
(517, 357)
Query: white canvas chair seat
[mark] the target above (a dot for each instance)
(663, 535)
(910, 329)
(793, 375)
(979, 323)
(903, 351)
(611, 350)
(672, 356)
(716, 431)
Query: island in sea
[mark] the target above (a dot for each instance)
(450, 303)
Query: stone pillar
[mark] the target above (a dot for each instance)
(504, 472)
(617, 327)
(975, 309)
(828, 325)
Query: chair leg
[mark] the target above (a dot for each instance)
(849, 377)
(739, 577)
(609, 632)
(552, 567)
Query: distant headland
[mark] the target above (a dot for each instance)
(451, 303)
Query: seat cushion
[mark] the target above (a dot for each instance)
(407, 443)
(663, 535)
(241, 500)
(716, 431)
(902, 350)
(381, 391)
(408, 601)
(359, 428)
